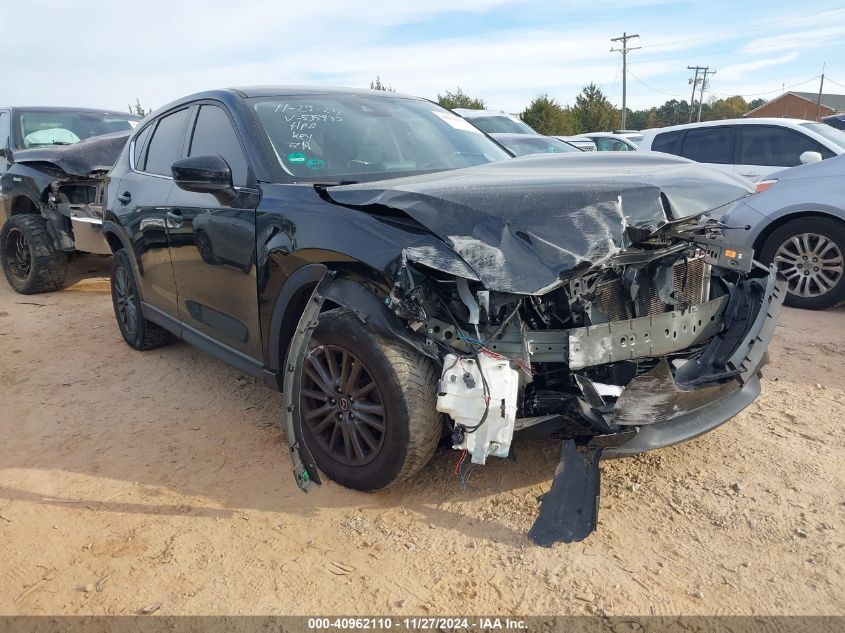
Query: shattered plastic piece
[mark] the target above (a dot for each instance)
(569, 511)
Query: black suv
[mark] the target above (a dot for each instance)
(580, 295)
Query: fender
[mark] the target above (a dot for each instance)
(339, 290)
(113, 231)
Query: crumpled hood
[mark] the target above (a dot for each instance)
(79, 159)
(522, 224)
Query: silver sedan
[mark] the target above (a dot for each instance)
(797, 221)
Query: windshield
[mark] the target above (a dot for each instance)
(830, 133)
(39, 129)
(354, 137)
(524, 145)
(500, 125)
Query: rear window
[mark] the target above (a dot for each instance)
(668, 142)
(709, 145)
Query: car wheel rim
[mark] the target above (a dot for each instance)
(124, 299)
(811, 263)
(342, 406)
(18, 254)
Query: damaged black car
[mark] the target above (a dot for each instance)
(402, 279)
(53, 163)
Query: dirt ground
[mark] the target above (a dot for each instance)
(137, 479)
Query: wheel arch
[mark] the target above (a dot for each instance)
(762, 238)
(23, 204)
(344, 288)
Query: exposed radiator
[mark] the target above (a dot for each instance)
(690, 287)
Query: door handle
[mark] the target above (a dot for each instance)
(125, 197)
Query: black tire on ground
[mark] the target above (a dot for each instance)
(364, 436)
(137, 331)
(829, 229)
(31, 262)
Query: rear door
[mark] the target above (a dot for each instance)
(212, 242)
(713, 145)
(141, 204)
(762, 149)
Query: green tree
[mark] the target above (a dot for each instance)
(756, 103)
(593, 112)
(138, 108)
(548, 117)
(460, 99)
(638, 119)
(673, 112)
(377, 84)
(730, 108)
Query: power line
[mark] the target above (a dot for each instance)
(624, 50)
(760, 27)
(786, 43)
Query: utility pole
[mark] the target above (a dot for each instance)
(694, 83)
(819, 102)
(703, 85)
(624, 50)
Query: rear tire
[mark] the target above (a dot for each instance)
(367, 403)
(793, 247)
(31, 263)
(138, 332)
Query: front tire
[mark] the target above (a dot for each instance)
(367, 404)
(31, 263)
(138, 332)
(809, 253)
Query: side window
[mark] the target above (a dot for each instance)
(140, 150)
(772, 146)
(166, 143)
(709, 145)
(825, 152)
(668, 142)
(214, 134)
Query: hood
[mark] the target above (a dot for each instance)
(79, 159)
(524, 224)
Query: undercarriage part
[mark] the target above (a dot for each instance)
(471, 387)
(569, 511)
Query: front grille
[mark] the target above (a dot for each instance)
(690, 287)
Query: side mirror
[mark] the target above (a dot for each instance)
(207, 173)
(809, 157)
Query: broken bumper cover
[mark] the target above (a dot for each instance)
(706, 393)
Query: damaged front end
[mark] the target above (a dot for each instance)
(660, 344)
(635, 330)
(74, 211)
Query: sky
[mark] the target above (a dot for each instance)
(88, 53)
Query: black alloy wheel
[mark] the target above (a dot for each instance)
(342, 405)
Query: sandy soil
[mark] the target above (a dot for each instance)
(131, 479)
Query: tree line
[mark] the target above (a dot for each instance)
(593, 111)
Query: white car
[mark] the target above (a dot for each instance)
(495, 121)
(584, 143)
(748, 147)
(615, 141)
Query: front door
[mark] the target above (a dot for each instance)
(212, 243)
